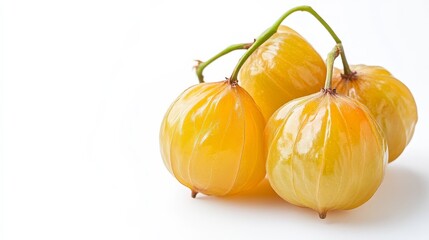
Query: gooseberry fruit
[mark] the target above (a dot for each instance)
(211, 139)
(283, 68)
(388, 99)
(325, 151)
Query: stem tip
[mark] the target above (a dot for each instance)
(322, 215)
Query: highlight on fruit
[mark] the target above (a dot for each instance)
(322, 136)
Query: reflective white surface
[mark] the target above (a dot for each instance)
(84, 88)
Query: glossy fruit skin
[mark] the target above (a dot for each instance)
(211, 139)
(285, 67)
(389, 101)
(325, 152)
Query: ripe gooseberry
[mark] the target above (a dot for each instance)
(325, 150)
(388, 99)
(285, 67)
(211, 139)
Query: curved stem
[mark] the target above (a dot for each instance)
(346, 67)
(273, 29)
(328, 28)
(330, 65)
(201, 65)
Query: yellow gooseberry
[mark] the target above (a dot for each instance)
(388, 99)
(285, 67)
(211, 139)
(325, 151)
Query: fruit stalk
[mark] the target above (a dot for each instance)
(330, 66)
(199, 68)
(328, 28)
(261, 39)
(264, 37)
(273, 29)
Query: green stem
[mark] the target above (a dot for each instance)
(330, 65)
(273, 29)
(201, 65)
(346, 67)
(328, 28)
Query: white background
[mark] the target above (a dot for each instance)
(85, 84)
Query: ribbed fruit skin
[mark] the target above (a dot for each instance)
(325, 152)
(285, 67)
(388, 99)
(211, 139)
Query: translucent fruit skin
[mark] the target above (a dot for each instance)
(211, 139)
(325, 152)
(285, 67)
(389, 101)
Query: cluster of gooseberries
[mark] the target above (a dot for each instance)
(322, 136)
